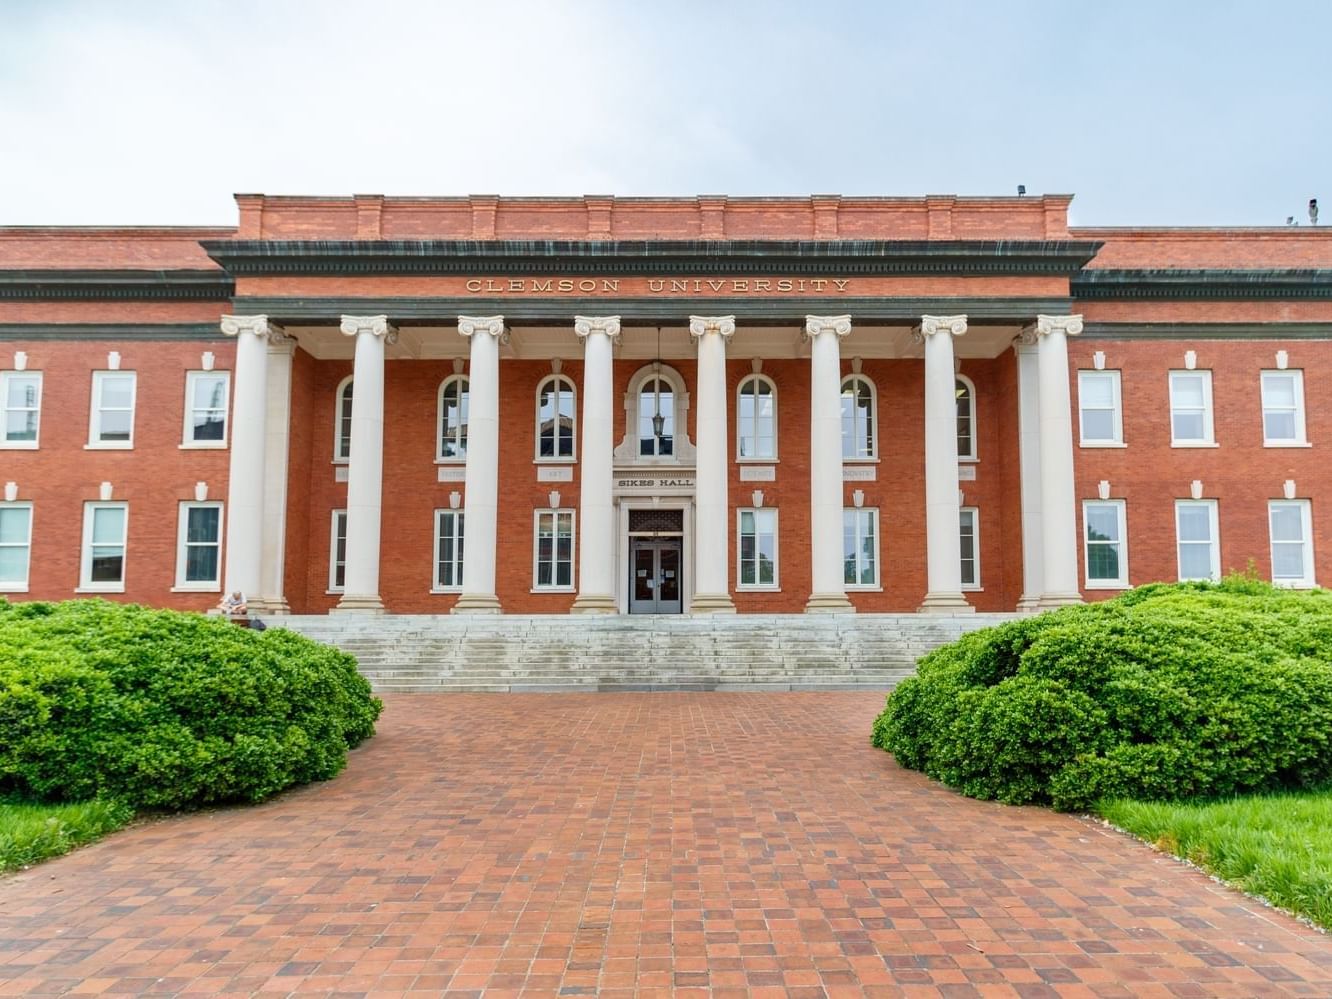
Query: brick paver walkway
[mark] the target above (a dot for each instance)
(723, 844)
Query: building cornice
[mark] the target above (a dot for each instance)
(1212, 284)
(1207, 331)
(119, 285)
(111, 331)
(960, 258)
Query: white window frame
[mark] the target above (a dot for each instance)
(7, 378)
(1301, 438)
(1215, 532)
(333, 585)
(1121, 582)
(440, 457)
(183, 545)
(1208, 438)
(975, 544)
(187, 434)
(86, 583)
(1117, 412)
(973, 452)
(740, 435)
(873, 511)
(776, 583)
(874, 428)
(556, 513)
(459, 540)
(561, 381)
(96, 408)
(339, 458)
(16, 586)
(1306, 581)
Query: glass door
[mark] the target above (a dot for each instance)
(654, 569)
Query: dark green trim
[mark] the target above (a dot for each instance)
(112, 331)
(100, 285)
(646, 311)
(851, 257)
(1207, 331)
(1216, 285)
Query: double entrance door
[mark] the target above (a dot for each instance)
(654, 575)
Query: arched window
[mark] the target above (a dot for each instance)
(966, 418)
(656, 418)
(342, 421)
(556, 420)
(453, 419)
(858, 430)
(756, 423)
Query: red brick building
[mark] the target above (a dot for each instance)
(654, 405)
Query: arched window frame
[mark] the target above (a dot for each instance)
(567, 384)
(874, 434)
(755, 379)
(971, 454)
(342, 405)
(440, 456)
(627, 450)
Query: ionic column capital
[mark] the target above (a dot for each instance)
(930, 325)
(585, 326)
(700, 326)
(469, 326)
(259, 326)
(1068, 325)
(374, 325)
(840, 326)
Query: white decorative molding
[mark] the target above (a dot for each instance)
(1196, 489)
(207, 359)
(700, 326)
(451, 473)
(585, 326)
(11, 492)
(469, 326)
(1103, 489)
(1068, 325)
(554, 473)
(757, 497)
(554, 498)
(856, 365)
(1288, 489)
(105, 491)
(556, 365)
(1026, 338)
(1098, 360)
(341, 473)
(839, 326)
(756, 365)
(966, 473)
(20, 360)
(859, 473)
(257, 325)
(113, 360)
(758, 473)
(1282, 360)
(455, 500)
(858, 498)
(930, 325)
(1190, 359)
(626, 452)
(201, 491)
(458, 365)
(374, 325)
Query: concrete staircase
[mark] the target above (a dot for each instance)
(418, 653)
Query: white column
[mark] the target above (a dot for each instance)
(1029, 469)
(1059, 535)
(365, 465)
(481, 488)
(277, 450)
(943, 546)
(245, 481)
(824, 334)
(712, 550)
(596, 520)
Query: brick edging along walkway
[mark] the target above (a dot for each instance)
(732, 844)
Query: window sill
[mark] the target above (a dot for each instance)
(1100, 584)
(334, 593)
(18, 445)
(756, 588)
(13, 587)
(756, 461)
(973, 589)
(446, 590)
(1194, 444)
(450, 461)
(101, 589)
(1295, 584)
(1286, 444)
(863, 589)
(341, 462)
(109, 447)
(961, 460)
(538, 461)
(860, 461)
(198, 588)
(1102, 444)
(211, 446)
(547, 589)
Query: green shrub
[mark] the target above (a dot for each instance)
(1170, 691)
(163, 709)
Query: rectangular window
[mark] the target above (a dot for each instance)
(20, 408)
(337, 553)
(1291, 528)
(199, 547)
(206, 408)
(15, 546)
(1105, 549)
(860, 548)
(1283, 408)
(112, 420)
(448, 549)
(758, 549)
(1191, 408)
(104, 536)
(1196, 534)
(553, 554)
(969, 538)
(1100, 416)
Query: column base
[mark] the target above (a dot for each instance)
(360, 604)
(829, 603)
(1028, 604)
(477, 603)
(711, 603)
(594, 603)
(271, 605)
(945, 603)
(1049, 600)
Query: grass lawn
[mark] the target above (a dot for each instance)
(1276, 846)
(30, 833)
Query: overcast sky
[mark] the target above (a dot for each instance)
(1168, 112)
